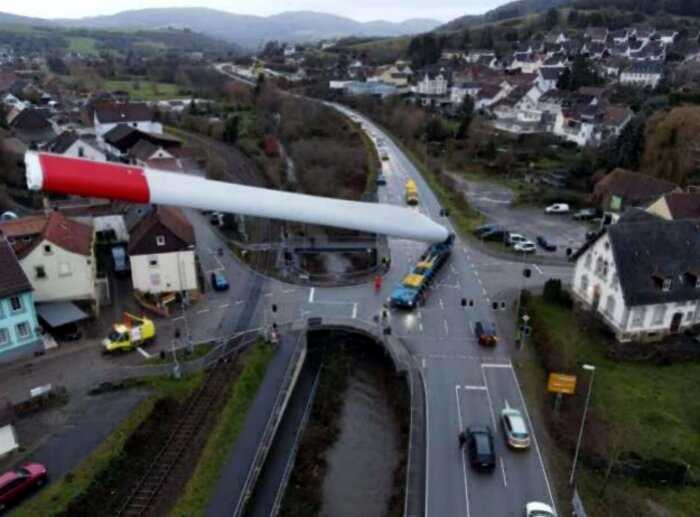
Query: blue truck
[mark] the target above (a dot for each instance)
(414, 287)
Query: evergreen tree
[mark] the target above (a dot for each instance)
(230, 134)
(466, 114)
(551, 18)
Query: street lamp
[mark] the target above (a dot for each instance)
(590, 368)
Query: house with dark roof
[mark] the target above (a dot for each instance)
(162, 253)
(122, 138)
(641, 276)
(57, 255)
(676, 206)
(547, 77)
(622, 189)
(138, 115)
(19, 328)
(70, 143)
(645, 74)
(32, 126)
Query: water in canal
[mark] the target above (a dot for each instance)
(361, 464)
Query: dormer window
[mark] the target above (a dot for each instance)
(47, 249)
(666, 285)
(692, 279)
(160, 240)
(662, 281)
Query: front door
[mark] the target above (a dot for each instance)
(676, 322)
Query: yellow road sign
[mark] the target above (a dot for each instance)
(560, 383)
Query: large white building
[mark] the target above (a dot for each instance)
(137, 115)
(643, 74)
(641, 277)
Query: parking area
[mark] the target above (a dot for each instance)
(494, 201)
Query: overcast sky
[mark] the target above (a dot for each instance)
(361, 10)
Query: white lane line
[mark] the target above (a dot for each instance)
(488, 396)
(420, 327)
(420, 315)
(177, 319)
(288, 291)
(311, 294)
(354, 311)
(475, 388)
(224, 305)
(143, 352)
(534, 439)
(538, 269)
(497, 365)
(484, 291)
(202, 311)
(442, 304)
(461, 451)
(503, 470)
(239, 302)
(423, 363)
(447, 330)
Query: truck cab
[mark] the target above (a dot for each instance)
(411, 193)
(129, 335)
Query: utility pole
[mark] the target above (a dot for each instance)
(591, 369)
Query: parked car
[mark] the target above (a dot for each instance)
(482, 455)
(515, 428)
(545, 244)
(499, 235)
(557, 208)
(485, 333)
(216, 219)
(67, 332)
(525, 247)
(486, 228)
(586, 214)
(16, 484)
(381, 180)
(120, 261)
(219, 282)
(515, 238)
(537, 509)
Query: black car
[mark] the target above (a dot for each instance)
(498, 234)
(381, 180)
(487, 228)
(482, 454)
(586, 214)
(545, 244)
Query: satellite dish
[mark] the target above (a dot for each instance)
(6, 216)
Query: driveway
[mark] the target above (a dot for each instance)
(494, 201)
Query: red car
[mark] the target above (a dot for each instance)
(15, 484)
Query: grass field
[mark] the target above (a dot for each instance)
(82, 45)
(654, 410)
(144, 90)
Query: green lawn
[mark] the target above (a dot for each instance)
(199, 489)
(82, 45)
(655, 410)
(53, 499)
(140, 90)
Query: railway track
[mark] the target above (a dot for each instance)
(145, 493)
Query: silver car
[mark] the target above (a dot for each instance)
(515, 428)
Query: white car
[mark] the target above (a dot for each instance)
(558, 208)
(525, 247)
(516, 238)
(515, 428)
(535, 509)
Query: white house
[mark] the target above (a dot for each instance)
(433, 82)
(137, 115)
(547, 77)
(643, 74)
(70, 143)
(627, 278)
(667, 37)
(57, 255)
(526, 62)
(162, 253)
(459, 91)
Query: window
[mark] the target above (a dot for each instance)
(689, 317)
(638, 315)
(23, 330)
(599, 266)
(659, 315)
(153, 261)
(589, 259)
(667, 284)
(40, 271)
(615, 282)
(64, 269)
(16, 303)
(155, 279)
(160, 240)
(4, 337)
(584, 283)
(47, 249)
(81, 152)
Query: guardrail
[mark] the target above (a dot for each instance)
(289, 381)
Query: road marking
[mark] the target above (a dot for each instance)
(488, 396)
(423, 363)
(202, 311)
(354, 311)
(239, 301)
(177, 319)
(268, 294)
(534, 439)
(143, 352)
(420, 315)
(461, 451)
(442, 304)
(475, 388)
(420, 327)
(224, 306)
(447, 330)
(311, 294)
(497, 365)
(484, 290)
(538, 269)
(287, 291)
(503, 470)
